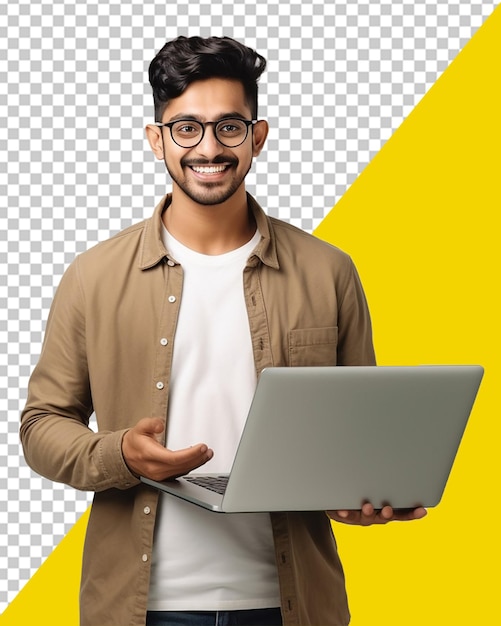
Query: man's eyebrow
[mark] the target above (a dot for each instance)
(195, 118)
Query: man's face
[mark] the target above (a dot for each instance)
(208, 173)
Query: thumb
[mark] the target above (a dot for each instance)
(150, 426)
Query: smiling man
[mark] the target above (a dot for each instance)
(208, 136)
(162, 331)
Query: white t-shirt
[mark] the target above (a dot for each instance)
(203, 560)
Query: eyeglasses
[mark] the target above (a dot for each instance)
(229, 131)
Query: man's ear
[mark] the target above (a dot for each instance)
(155, 139)
(259, 134)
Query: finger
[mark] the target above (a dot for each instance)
(159, 463)
(150, 426)
(414, 514)
(367, 510)
(178, 461)
(341, 514)
(185, 461)
(194, 455)
(386, 513)
(420, 512)
(346, 517)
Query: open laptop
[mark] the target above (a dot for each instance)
(327, 438)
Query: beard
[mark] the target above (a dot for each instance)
(207, 193)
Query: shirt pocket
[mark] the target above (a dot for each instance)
(313, 346)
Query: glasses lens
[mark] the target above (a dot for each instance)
(231, 132)
(187, 133)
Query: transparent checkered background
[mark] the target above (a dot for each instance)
(75, 167)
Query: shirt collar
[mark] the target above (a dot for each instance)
(153, 250)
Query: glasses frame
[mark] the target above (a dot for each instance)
(169, 125)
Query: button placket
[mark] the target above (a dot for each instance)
(171, 299)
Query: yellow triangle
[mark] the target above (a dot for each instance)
(50, 598)
(422, 223)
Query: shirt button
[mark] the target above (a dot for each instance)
(170, 263)
(172, 298)
(146, 510)
(164, 341)
(144, 558)
(160, 385)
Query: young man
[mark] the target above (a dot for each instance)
(163, 331)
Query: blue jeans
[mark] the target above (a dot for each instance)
(252, 617)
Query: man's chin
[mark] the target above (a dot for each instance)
(211, 195)
(210, 201)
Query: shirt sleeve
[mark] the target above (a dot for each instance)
(55, 433)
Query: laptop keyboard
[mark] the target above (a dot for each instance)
(213, 483)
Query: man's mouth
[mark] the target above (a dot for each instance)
(209, 169)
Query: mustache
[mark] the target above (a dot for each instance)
(216, 161)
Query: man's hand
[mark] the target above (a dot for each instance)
(145, 456)
(368, 515)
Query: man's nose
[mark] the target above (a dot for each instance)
(209, 147)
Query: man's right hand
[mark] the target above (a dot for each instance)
(145, 456)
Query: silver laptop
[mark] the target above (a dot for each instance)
(327, 438)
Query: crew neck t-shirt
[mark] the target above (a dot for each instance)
(204, 560)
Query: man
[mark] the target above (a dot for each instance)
(163, 331)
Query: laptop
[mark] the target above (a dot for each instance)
(332, 438)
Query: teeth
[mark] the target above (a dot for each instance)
(212, 169)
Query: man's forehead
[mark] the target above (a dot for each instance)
(209, 99)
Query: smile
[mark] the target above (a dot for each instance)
(208, 169)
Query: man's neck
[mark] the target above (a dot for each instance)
(210, 229)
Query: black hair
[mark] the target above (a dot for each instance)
(185, 60)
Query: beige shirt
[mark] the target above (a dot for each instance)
(108, 348)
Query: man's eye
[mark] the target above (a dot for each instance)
(186, 129)
(231, 128)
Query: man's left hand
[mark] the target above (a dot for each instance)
(368, 515)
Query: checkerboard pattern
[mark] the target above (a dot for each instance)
(75, 167)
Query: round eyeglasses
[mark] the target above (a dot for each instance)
(229, 131)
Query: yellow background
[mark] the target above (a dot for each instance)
(422, 224)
